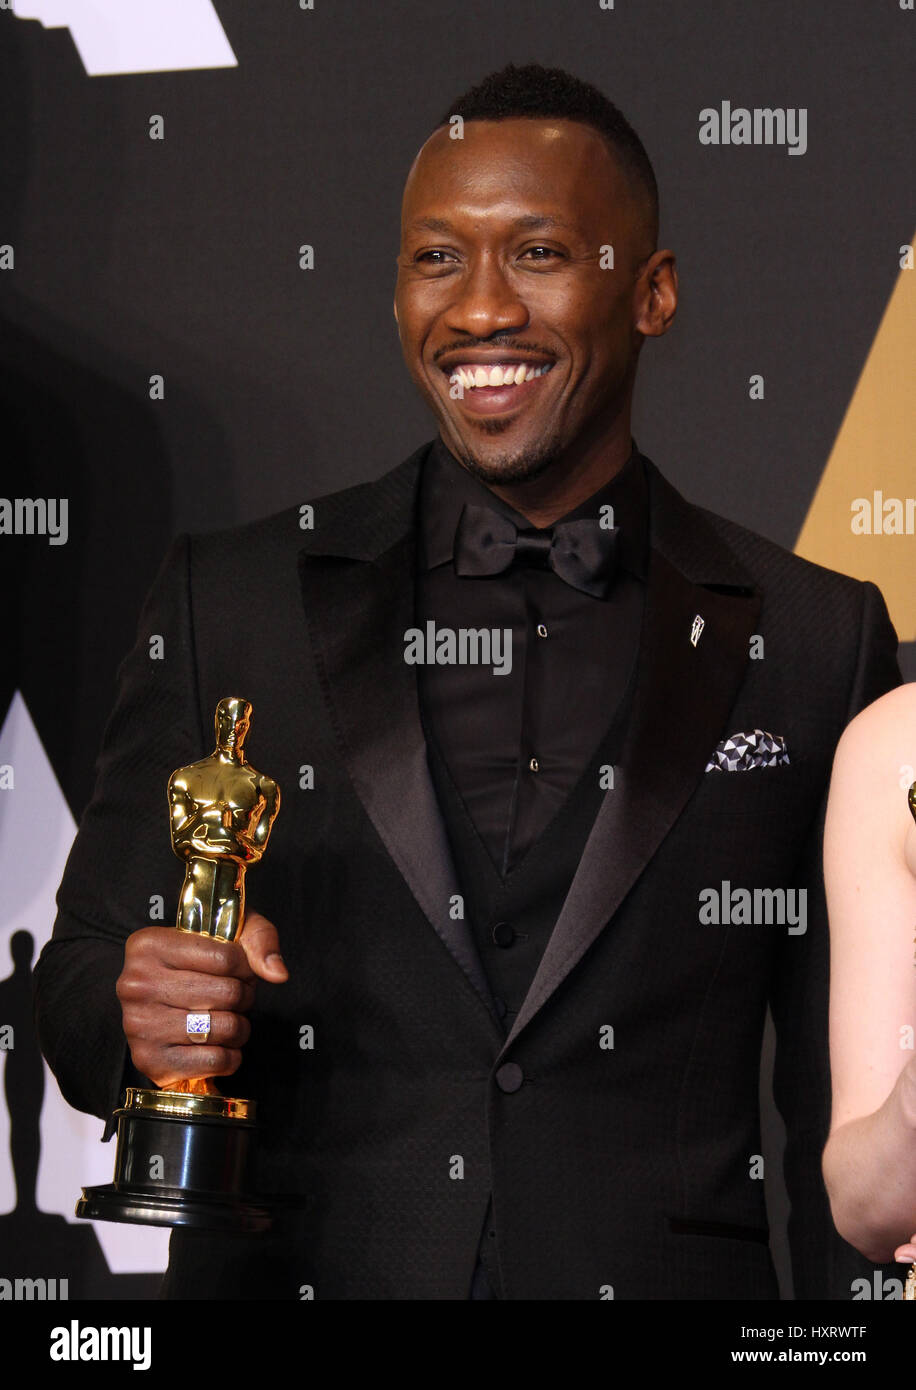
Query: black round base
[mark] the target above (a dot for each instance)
(174, 1169)
(111, 1203)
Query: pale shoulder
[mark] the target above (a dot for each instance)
(868, 816)
(882, 732)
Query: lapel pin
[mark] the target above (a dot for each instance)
(696, 630)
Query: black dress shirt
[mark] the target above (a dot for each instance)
(516, 744)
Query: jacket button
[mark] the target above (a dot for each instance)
(500, 1006)
(509, 1078)
(503, 934)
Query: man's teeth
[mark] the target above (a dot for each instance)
(505, 374)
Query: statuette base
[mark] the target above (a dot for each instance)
(181, 1160)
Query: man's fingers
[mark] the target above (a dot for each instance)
(165, 1028)
(179, 950)
(906, 1254)
(169, 974)
(261, 944)
(166, 1065)
(175, 988)
(227, 1030)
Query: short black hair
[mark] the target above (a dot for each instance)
(540, 93)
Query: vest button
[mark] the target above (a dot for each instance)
(503, 934)
(509, 1078)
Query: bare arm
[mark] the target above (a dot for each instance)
(870, 1157)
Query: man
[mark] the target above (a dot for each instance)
(536, 1046)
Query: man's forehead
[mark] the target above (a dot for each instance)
(553, 165)
(497, 212)
(520, 141)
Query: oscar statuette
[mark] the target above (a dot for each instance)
(183, 1152)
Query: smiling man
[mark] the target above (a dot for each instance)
(524, 344)
(536, 1052)
(527, 281)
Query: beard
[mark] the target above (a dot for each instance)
(508, 466)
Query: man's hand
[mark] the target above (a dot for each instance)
(168, 974)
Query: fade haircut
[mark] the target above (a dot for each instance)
(540, 93)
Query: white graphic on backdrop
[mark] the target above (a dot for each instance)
(124, 36)
(36, 831)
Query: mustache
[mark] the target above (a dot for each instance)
(496, 341)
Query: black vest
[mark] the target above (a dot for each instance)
(512, 917)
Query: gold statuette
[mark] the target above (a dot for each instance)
(221, 811)
(183, 1152)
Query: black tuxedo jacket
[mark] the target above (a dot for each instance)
(629, 1170)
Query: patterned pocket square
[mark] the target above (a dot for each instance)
(741, 752)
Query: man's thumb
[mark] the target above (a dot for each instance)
(261, 944)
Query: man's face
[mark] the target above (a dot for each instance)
(501, 266)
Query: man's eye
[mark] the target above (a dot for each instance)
(438, 257)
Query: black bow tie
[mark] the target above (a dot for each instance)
(581, 553)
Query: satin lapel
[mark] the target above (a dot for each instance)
(357, 611)
(680, 706)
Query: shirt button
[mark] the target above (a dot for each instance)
(533, 764)
(503, 934)
(542, 629)
(509, 1078)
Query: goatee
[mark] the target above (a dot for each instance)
(519, 466)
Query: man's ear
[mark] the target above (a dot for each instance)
(396, 313)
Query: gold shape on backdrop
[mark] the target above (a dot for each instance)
(874, 460)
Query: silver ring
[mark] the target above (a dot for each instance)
(198, 1026)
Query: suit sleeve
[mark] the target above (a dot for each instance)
(823, 1264)
(121, 873)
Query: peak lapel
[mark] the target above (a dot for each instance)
(681, 701)
(356, 573)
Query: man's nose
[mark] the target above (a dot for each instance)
(487, 302)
